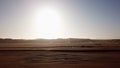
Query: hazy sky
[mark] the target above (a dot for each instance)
(95, 19)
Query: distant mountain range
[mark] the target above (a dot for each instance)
(69, 41)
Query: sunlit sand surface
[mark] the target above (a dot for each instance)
(60, 55)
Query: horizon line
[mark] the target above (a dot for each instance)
(60, 38)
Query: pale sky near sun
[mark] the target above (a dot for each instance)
(31, 19)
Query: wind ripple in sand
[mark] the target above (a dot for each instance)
(41, 57)
(65, 57)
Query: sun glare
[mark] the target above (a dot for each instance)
(49, 23)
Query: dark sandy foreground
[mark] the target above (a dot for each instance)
(53, 59)
(78, 65)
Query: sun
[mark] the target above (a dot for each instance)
(49, 23)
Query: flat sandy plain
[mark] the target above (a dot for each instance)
(59, 57)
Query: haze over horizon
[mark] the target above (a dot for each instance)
(50, 19)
